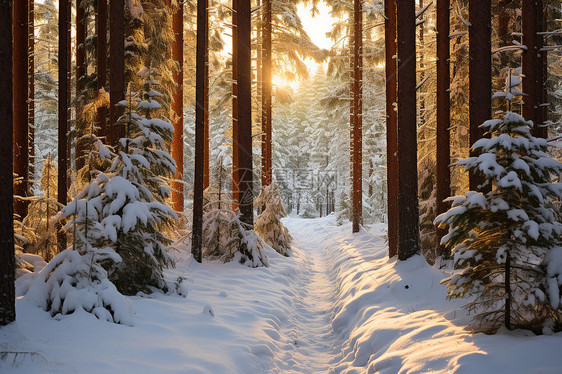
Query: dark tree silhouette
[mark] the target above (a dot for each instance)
(117, 66)
(408, 215)
(7, 261)
(357, 121)
(480, 73)
(266, 118)
(443, 183)
(21, 89)
(101, 61)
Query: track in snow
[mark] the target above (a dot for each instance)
(310, 344)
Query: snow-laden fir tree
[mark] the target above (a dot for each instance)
(78, 277)
(42, 211)
(224, 236)
(505, 239)
(268, 223)
(136, 215)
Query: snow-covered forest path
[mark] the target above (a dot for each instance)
(309, 328)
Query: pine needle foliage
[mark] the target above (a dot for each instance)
(268, 223)
(503, 239)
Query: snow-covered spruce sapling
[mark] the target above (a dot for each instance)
(136, 215)
(224, 236)
(77, 278)
(268, 223)
(507, 239)
(42, 211)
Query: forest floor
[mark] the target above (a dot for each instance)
(336, 305)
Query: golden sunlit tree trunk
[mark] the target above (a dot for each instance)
(7, 261)
(408, 212)
(480, 73)
(391, 126)
(20, 110)
(357, 121)
(443, 157)
(177, 108)
(266, 94)
(235, 176)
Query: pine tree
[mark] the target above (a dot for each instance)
(135, 212)
(268, 223)
(501, 238)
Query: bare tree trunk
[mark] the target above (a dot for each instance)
(7, 261)
(117, 69)
(408, 214)
(443, 183)
(206, 162)
(31, 94)
(357, 149)
(101, 62)
(235, 164)
(246, 198)
(64, 109)
(81, 25)
(177, 108)
(532, 61)
(21, 91)
(391, 126)
(197, 232)
(480, 70)
(266, 95)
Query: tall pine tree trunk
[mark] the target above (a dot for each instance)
(206, 161)
(81, 25)
(408, 212)
(443, 183)
(101, 61)
(391, 126)
(63, 109)
(7, 261)
(266, 95)
(244, 133)
(31, 94)
(21, 91)
(533, 82)
(235, 174)
(117, 66)
(177, 108)
(480, 73)
(197, 232)
(357, 113)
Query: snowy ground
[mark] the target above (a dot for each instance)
(337, 305)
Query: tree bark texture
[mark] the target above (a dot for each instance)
(443, 156)
(31, 94)
(20, 110)
(408, 214)
(81, 23)
(197, 232)
(117, 67)
(177, 108)
(391, 126)
(207, 164)
(357, 113)
(480, 70)
(244, 57)
(235, 165)
(101, 62)
(266, 118)
(63, 108)
(7, 260)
